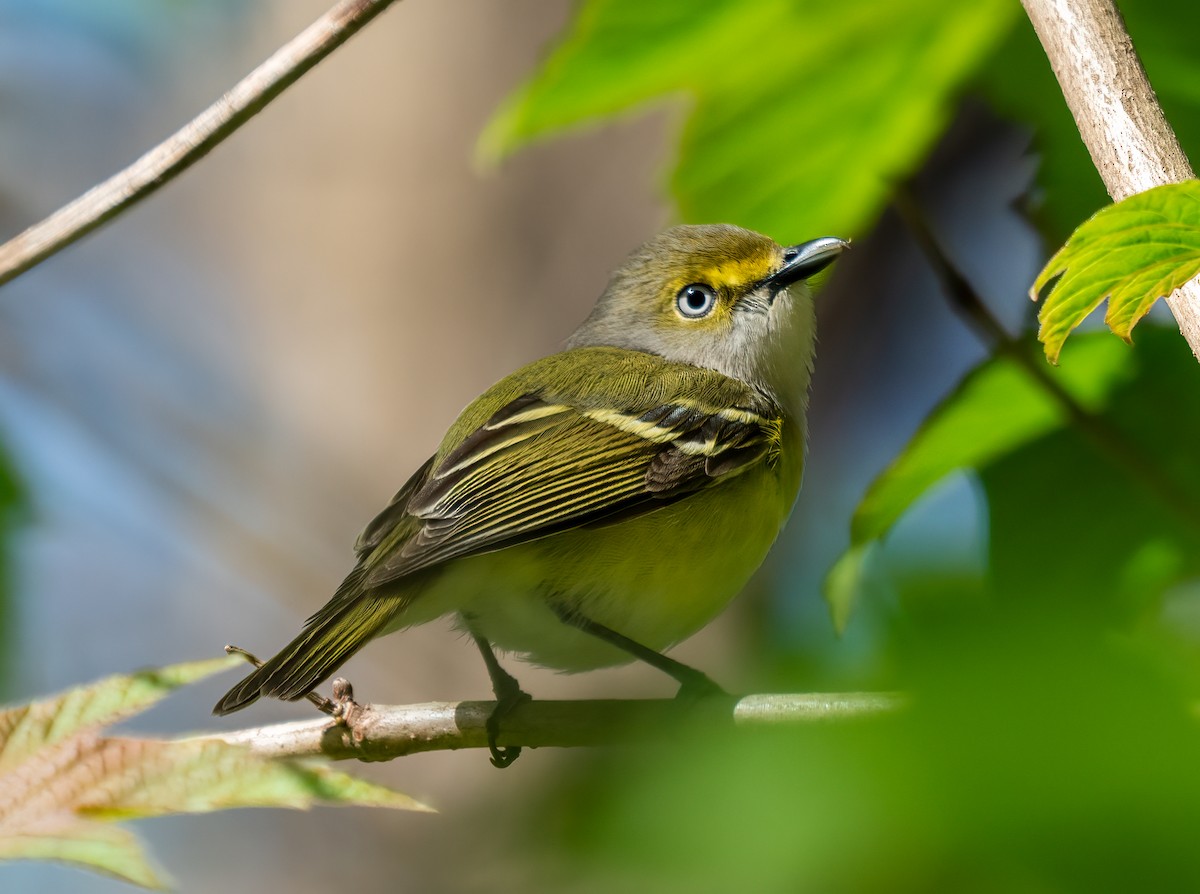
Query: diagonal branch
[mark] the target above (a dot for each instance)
(1107, 438)
(192, 142)
(383, 732)
(1118, 115)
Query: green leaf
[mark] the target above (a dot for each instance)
(996, 408)
(1133, 253)
(108, 849)
(14, 509)
(1108, 517)
(1034, 756)
(203, 775)
(799, 114)
(1105, 529)
(842, 585)
(62, 781)
(27, 729)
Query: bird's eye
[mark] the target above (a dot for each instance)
(696, 301)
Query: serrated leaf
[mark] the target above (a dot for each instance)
(31, 727)
(203, 775)
(786, 131)
(62, 781)
(1133, 253)
(104, 848)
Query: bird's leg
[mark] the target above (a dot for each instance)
(693, 684)
(508, 696)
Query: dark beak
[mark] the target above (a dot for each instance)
(803, 260)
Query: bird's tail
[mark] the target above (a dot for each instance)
(329, 638)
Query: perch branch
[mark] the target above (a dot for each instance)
(192, 142)
(1118, 115)
(383, 732)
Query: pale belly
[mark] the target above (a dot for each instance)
(656, 579)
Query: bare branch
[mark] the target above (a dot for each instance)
(383, 732)
(1118, 115)
(195, 140)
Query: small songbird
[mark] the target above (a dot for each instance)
(603, 503)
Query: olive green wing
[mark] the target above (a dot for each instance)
(544, 464)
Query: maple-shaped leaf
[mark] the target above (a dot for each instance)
(1132, 253)
(785, 128)
(63, 782)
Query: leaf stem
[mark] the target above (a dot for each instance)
(1110, 440)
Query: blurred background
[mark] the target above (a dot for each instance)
(204, 402)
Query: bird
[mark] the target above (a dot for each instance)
(605, 502)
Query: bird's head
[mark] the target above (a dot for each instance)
(720, 297)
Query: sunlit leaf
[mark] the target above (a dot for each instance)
(98, 846)
(62, 780)
(1132, 253)
(30, 728)
(786, 130)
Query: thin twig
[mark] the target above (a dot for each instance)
(1118, 115)
(196, 139)
(383, 732)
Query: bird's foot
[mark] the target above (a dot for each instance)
(506, 702)
(342, 707)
